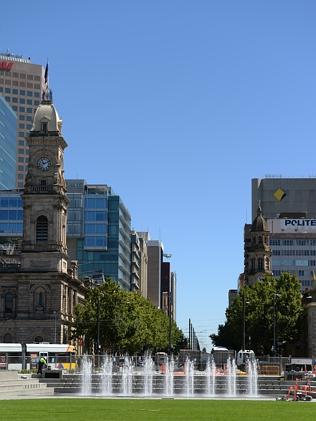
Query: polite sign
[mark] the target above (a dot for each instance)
(292, 225)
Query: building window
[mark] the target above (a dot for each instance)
(260, 263)
(8, 303)
(42, 228)
(44, 127)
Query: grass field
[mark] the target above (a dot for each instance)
(147, 410)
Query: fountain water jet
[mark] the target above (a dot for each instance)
(127, 377)
(189, 377)
(107, 374)
(86, 371)
(149, 367)
(210, 373)
(231, 377)
(169, 377)
(252, 372)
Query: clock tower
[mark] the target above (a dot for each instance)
(44, 199)
(38, 294)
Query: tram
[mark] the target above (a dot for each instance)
(15, 356)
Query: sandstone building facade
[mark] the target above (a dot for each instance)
(40, 288)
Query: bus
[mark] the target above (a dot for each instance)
(15, 356)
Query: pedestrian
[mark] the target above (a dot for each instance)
(42, 363)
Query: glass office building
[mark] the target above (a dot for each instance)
(99, 232)
(98, 229)
(7, 145)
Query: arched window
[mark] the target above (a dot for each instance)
(8, 303)
(42, 228)
(39, 299)
(7, 338)
(260, 263)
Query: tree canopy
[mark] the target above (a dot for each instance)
(127, 322)
(271, 300)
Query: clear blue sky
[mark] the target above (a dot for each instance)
(177, 104)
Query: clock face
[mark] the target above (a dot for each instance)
(43, 163)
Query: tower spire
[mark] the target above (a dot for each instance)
(47, 93)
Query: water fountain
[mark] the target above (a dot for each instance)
(132, 380)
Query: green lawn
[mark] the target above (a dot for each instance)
(147, 410)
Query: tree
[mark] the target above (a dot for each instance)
(271, 302)
(126, 322)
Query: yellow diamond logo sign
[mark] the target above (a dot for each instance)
(279, 195)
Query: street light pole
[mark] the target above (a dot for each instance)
(275, 295)
(244, 322)
(98, 330)
(244, 303)
(55, 326)
(170, 310)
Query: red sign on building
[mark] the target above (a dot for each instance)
(6, 65)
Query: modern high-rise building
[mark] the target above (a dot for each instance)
(168, 290)
(21, 85)
(139, 262)
(155, 259)
(7, 145)
(289, 208)
(284, 197)
(143, 272)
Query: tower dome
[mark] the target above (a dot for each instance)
(46, 118)
(259, 224)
